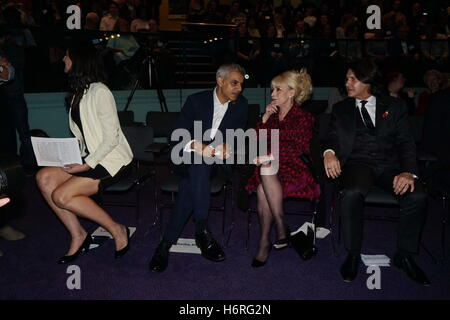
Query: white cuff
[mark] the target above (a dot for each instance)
(187, 147)
(328, 150)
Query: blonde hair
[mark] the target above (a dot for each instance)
(299, 81)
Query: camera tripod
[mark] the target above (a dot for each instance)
(149, 63)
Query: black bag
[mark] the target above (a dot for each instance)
(304, 244)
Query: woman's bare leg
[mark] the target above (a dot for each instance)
(48, 179)
(73, 195)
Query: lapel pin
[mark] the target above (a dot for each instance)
(385, 114)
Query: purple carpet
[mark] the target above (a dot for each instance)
(28, 269)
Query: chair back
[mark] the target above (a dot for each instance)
(139, 137)
(253, 116)
(161, 123)
(126, 118)
(416, 123)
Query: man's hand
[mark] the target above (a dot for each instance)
(332, 165)
(223, 151)
(75, 168)
(4, 201)
(202, 149)
(403, 182)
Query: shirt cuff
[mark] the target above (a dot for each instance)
(330, 150)
(187, 147)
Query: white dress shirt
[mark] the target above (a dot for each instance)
(218, 114)
(370, 106)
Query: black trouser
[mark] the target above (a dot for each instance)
(357, 179)
(194, 193)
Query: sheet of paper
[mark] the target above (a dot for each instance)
(320, 232)
(184, 245)
(380, 260)
(56, 152)
(101, 232)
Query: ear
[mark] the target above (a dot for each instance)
(219, 81)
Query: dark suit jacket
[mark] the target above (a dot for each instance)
(395, 139)
(436, 135)
(200, 107)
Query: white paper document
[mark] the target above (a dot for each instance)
(56, 152)
(184, 245)
(379, 260)
(100, 235)
(320, 232)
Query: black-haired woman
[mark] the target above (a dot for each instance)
(106, 153)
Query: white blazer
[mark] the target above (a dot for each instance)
(105, 140)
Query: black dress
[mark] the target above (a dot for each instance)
(99, 172)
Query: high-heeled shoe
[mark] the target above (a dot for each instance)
(84, 247)
(120, 253)
(285, 242)
(258, 263)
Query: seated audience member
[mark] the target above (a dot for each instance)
(196, 11)
(141, 23)
(370, 144)
(435, 81)
(395, 82)
(108, 22)
(436, 137)
(212, 13)
(125, 46)
(105, 151)
(247, 53)
(293, 178)
(92, 21)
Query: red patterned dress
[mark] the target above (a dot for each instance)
(295, 133)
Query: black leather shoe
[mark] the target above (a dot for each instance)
(160, 257)
(120, 253)
(209, 247)
(84, 247)
(413, 271)
(349, 268)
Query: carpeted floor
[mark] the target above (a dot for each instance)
(28, 269)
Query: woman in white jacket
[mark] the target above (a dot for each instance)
(106, 154)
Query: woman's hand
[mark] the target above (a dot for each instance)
(263, 160)
(270, 109)
(75, 168)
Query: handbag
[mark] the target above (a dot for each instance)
(304, 244)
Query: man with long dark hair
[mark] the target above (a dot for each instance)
(370, 144)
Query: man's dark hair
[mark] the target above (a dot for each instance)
(366, 71)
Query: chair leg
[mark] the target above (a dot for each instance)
(443, 226)
(249, 224)
(231, 218)
(224, 207)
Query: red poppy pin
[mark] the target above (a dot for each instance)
(385, 114)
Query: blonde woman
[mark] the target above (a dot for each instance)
(293, 179)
